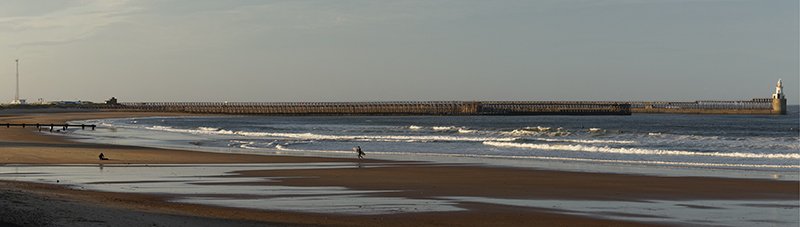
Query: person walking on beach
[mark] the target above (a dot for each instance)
(360, 153)
(102, 156)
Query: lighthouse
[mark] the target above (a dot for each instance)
(778, 99)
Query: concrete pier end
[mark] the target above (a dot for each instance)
(779, 106)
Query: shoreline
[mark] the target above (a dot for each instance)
(680, 168)
(412, 179)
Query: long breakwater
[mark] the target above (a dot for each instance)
(747, 107)
(384, 108)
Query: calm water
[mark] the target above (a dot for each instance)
(705, 142)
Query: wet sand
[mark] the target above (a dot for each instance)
(416, 180)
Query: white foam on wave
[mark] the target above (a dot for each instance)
(537, 131)
(587, 141)
(313, 136)
(208, 128)
(728, 143)
(522, 132)
(636, 151)
(199, 130)
(541, 129)
(383, 138)
(462, 130)
(444, 128)
(596, 130)
(635, 162)
(167, 128)
(249, 145)
(414, 127)
(466, 131)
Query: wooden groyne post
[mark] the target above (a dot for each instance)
(51, 126)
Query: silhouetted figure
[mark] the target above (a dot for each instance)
(102, 156)
(360, 153)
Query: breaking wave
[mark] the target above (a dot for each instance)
(208, 128)
(537, 131)
(635, 162)
(444, 128)
(462, 130)
(465, 130)
(587, 141)
(313, 136)
(592, 140)
(637, 151)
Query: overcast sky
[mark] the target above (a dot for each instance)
(326, 50)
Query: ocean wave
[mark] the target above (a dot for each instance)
(249, 145)
(313, 136)
(550, 158)
(587, 141)
(208, 129)
(466, 131)
(537, 131)
(637, 151)
(521, 132)
(444, 128)
(527, 133)
(722, 142)
(380, 138)
(463, 130)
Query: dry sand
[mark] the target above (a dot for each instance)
(416, 180)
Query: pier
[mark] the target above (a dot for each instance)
(776, 105)
(383, 108)
(763, 106)
(744, 107)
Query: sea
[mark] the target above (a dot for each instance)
(747, 146)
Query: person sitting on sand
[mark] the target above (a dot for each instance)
(360, 153)
(102, 156)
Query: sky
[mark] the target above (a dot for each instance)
(366, 50)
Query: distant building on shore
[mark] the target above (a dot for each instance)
(112, 101)
(19, 102)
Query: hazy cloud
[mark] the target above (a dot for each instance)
(62, 26)
(349, 50)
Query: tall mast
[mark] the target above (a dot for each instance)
(16, 95)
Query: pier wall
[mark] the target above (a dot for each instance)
(383, 108)
(745, 107)
(554, 108)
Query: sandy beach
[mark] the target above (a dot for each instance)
(61, 205)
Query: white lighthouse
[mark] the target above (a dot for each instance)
(778, 90)
(778, 100)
